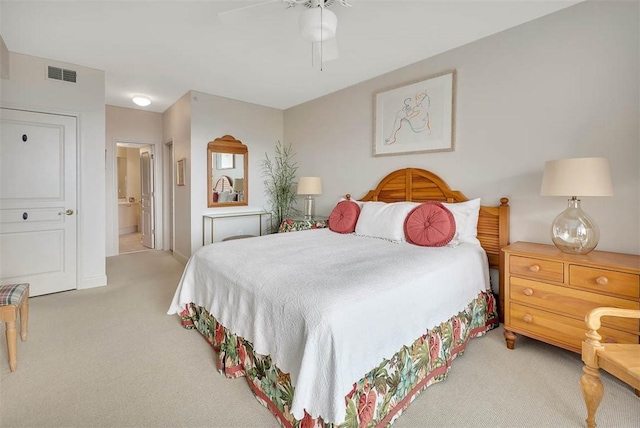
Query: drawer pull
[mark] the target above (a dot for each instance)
(610, 340)
(534, 268)
(528, 292)
(602, 280)
(527, 318)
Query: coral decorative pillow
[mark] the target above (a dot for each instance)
(430, 225)
(344, 217)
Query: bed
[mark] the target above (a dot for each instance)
(335, 329)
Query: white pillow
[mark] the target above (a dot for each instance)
(226, 196)
(466, 216)
(360, 203)
(382, 220)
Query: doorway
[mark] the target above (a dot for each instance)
(135, 193)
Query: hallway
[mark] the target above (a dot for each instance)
(131, 243)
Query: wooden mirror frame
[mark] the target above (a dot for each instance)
(226, 144)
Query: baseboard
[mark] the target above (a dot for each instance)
(92, 282)
(179, 257)
(127, 230)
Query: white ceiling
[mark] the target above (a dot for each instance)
(163, 49)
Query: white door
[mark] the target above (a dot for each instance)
(147, 203)
(38, 223)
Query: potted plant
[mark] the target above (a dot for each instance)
(280, 177)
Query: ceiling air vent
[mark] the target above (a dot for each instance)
(57, 73)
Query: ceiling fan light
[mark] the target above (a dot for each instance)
(318, 23)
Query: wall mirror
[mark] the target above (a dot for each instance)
(227, 167)
(122, 177)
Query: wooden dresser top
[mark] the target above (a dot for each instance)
(602, 258)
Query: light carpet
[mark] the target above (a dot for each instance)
(111, 357)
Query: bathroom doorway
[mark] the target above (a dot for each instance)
(136, 230)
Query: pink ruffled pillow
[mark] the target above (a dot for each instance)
(430, 225)
(344, 217)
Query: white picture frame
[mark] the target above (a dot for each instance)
(416, 118)
(225, 161)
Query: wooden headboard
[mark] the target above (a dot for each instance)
(419, 185)
(223, 184)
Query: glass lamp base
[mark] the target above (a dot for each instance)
(573, 231)
(309, 207)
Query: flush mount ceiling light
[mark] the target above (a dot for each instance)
(141, 101)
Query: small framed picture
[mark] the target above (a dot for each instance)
(180, 171)
(225, 161)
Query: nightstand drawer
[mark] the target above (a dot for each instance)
(536, 268)
(559, 329)
(605, 281)
(569, 301)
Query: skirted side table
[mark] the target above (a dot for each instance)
(300, 223)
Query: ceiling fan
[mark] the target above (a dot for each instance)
(318, 24)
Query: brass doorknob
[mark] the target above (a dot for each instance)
(67, 212)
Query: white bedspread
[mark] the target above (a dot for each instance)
(328, 307)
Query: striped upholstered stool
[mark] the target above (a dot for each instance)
(14, 298)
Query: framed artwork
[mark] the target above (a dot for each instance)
(225, 161)
(180, 171)
(416, 118)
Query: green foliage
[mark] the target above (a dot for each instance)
(424, 357)
(287, 394)
(280, 177)
(351, 419)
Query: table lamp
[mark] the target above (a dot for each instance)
(573, 231)
(309, 186)
(238, 186)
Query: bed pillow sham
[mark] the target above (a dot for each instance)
(383, 220)
(430, 225)
(359, 203)
(344, 217)
(466, 217)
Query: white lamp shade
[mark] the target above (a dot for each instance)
(577, 177)
(318, 23)
(238, 184)
(309, 186)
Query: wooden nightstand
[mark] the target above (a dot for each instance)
(548, 293)
(296, 224)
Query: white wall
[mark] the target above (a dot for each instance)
(565, 85)
(190, 123)
(4, 60)
(28, 88)
(133, 126)
(258, 127)
(176, 121)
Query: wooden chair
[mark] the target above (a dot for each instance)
(14, 298)
(620, 360)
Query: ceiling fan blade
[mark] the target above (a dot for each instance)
(256, 10)
(329, 50)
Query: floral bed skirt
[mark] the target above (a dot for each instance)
(380, 396)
